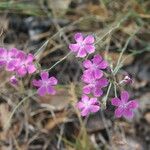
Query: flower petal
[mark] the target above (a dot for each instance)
(80, 105)
(97, 92)
(2, 63)
(133, 104)
(94, 108)
(30, 58)
(44, 75)
(37, 83)
(103, 82)
(85, 112)
(74, 47)
(51, 90)
(124, 96)
(22, 71)
(89, 49)
(128, 114)
(119, 112)
(98, 73)
(115, 101)
(86, 89)
(21, 55)
(81, 53)
(31, 69)
(52, 81)
(42, 91)
(78, 37)
(87, 63)
(103, 64)
(93, 101)
(85, 98)
(89, 39)
(97, 59)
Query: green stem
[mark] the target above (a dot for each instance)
(106, 97)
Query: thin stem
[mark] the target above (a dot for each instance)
(59, 61)
(115, 90)
(105, 98)
(122, 52)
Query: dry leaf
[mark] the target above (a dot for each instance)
(58, 119)
(130, 28)
(114, 58)
(128, 143)
(58, 101)
(59, 7)
(147, 117)
(99, 11)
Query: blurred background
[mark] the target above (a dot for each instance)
(45, 28)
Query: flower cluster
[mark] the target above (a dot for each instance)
(93, 76)
(94, 80)
(21, 64)
(17, 61)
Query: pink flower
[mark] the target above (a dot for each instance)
(88, 105)
(83, 46)
(8, 58)
(25, 64)
(93, 86)
(125, 107)
(13, 80)
(94, 67)
(45, 84)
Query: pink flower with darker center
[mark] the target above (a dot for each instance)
(95, 66)
(45, 84)
(25, 64)
(88, 105)
(83, 46)
(93, 85)
(125, 107)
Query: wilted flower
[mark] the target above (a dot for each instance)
(45, 84)
(95, 65)
(127, 80)
(83, 46)
(88, 105)
(13, 80)
(124, 106)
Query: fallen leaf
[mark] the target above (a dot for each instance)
(130, 27)
(144, 101)
(56, 120)
(127, 143)
(113, 57)
(59, 6)
(147, 117)
(95, 123)
(58, 101)
(99, 11)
